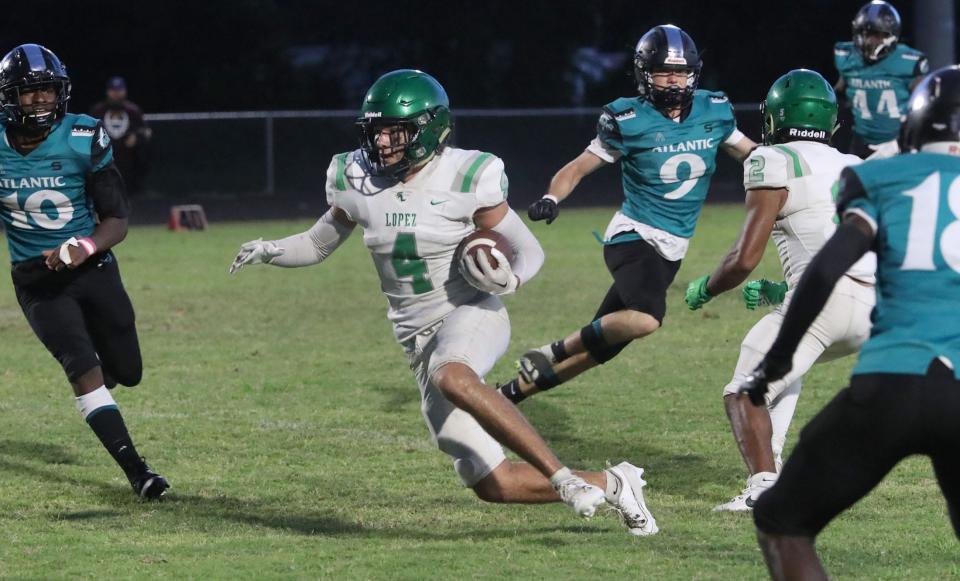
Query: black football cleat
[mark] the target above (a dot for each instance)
(149, 485)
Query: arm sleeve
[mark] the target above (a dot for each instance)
(841, 251)
(492, 185)
(314, 245)
(852, 198)
(765, 169)
(527, 254)
(108, 192)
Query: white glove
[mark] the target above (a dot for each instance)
(496, 281)
(255, 252)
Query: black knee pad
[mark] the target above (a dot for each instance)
(597, 346)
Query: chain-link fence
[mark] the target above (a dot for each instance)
(276, 161)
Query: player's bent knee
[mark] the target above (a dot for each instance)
(454, 380)
(127, 376)
(490, 491)
(642, 324)
(493, 486)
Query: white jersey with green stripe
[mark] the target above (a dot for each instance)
(809, 171)
(412, 228)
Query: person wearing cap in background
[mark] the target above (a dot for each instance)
(123, 120)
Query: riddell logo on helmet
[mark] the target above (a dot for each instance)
(674, 60)
(814, 133)
(369, 114)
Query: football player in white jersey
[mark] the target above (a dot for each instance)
(415, 198)
(789, 185)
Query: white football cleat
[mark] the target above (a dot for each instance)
(743, 502)
(628, 499)
(583, 498)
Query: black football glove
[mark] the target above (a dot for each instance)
(757, 384)
(544, 209)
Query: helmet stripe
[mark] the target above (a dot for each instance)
(34, 57)
(674, 40)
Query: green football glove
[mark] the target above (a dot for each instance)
(697, 294)
(763, 293)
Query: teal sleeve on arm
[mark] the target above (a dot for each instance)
(853, 198)
(608, 131)
(101, 150)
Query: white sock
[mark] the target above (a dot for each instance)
(95, 400)
(781, 414)
(561, 476)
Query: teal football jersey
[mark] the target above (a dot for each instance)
(666, 165)
(878, 92)
(913, 203)
(43, 200)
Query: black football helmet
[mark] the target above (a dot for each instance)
(31, 66)
(933, 112)
(666, 48)
(877, 17)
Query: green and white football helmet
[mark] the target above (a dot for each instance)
(800, 105)
(415, 106)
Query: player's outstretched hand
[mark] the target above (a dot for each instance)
(546, 208)
(697, 295)
(255, 252)
(482, 276)
(758, 382)
(763, 293)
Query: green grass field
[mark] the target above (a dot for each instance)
(288, 424)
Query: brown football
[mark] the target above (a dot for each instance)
(483, 241)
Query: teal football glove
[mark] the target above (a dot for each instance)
(763, 293)
(697, 294)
